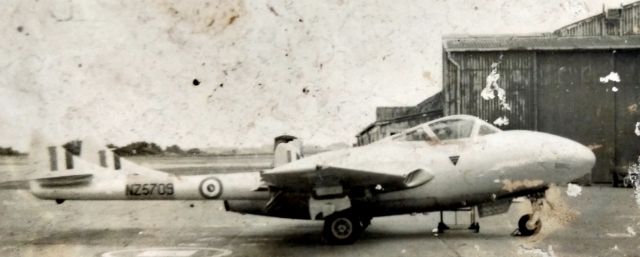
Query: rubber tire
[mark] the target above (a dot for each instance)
(522, 226)
(330, 230)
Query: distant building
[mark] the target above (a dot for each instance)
(391, 120)
(621, 21)
(557, 82)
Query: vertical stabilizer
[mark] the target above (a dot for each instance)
(286, 149)
(89, 155)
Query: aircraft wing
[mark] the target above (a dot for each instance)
(308, 177)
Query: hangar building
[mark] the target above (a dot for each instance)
(557, 83)
(391, 120)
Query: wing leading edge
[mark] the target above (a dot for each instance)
(309, 177)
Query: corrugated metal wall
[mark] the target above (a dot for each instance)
(592, 26)
(381, 130)
(386, 113)
(449, 83)
(557, 92)
(630, 23)
(598, 25)
(573, 103)
(516, 71)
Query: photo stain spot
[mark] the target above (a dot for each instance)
(232, 19)
(196, 82)
(305, 90)
(273, 10)
(79, 65)
(300, 20)
(221, 85)
(20, 29)
(191, 205)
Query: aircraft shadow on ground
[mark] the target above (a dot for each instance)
(312, 235)
(104, 236)
(283, 235)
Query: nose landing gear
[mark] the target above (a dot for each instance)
(530, 224)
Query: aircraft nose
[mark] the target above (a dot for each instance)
(582, 158)
(571, 159)
(585, 156)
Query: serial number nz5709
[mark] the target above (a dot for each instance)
(149, 189)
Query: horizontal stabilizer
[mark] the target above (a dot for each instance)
(68, 180)
(15, 185)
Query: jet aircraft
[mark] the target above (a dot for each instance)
(453, 162)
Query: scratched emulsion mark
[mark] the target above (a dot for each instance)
(169, 252)
(537, 251)
(573, 190)
(511, 186)
(493, 89)
(630, 233)
(634, 176)
(611, 77)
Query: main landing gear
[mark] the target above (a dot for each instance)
(530, 224)
(344, 227)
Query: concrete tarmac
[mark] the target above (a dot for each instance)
(605, 222)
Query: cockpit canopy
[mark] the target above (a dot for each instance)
(448, 128)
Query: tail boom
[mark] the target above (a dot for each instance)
(233, 186)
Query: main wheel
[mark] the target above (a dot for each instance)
(522, 226)
(342, 228)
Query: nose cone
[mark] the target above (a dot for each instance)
(580, 159)
(585, 158)
(569, 159)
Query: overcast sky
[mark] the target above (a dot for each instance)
(124, 70)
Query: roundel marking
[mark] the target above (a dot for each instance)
(210, 188)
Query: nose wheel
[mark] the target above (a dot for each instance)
(530, 224)
(528, 230)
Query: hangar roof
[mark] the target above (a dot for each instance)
(539, 42)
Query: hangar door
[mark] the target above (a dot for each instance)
(627, 65)
(573, 103)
